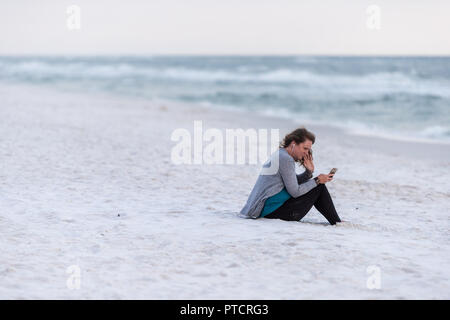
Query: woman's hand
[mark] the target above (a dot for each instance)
(308, 162)
(324, 178)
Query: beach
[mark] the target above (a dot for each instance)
(87, 184)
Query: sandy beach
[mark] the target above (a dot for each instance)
(88, 181)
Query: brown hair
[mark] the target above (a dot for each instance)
(298, 135)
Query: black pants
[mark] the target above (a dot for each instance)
(294, 209)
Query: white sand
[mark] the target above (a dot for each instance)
(71, 163)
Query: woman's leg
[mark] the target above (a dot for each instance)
(325, 206)
(295, 209)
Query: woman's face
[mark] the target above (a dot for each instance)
(302, 149)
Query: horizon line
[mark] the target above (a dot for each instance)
(221, 55)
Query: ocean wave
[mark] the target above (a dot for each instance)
(387, 97)
(436, 132)
(372, 83)
(391, 129)
(83, 69)
(117, 69)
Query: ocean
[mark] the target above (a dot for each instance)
(394, 97)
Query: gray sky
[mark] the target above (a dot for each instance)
(225, 27)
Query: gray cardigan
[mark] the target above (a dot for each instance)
(268, 185)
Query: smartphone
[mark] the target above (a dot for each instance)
(333, 171)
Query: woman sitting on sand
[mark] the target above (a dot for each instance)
(286, 195)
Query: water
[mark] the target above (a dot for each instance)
(397, 97)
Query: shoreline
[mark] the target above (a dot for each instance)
(429, 148)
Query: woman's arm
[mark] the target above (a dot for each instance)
(289, 176)
(303, 177)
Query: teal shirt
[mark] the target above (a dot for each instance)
(274, 202)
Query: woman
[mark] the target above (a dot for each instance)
(284, 194)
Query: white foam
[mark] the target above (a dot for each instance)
(384, 82)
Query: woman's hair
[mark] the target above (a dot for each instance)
(298, 135)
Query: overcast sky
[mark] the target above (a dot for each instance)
(226, 27)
